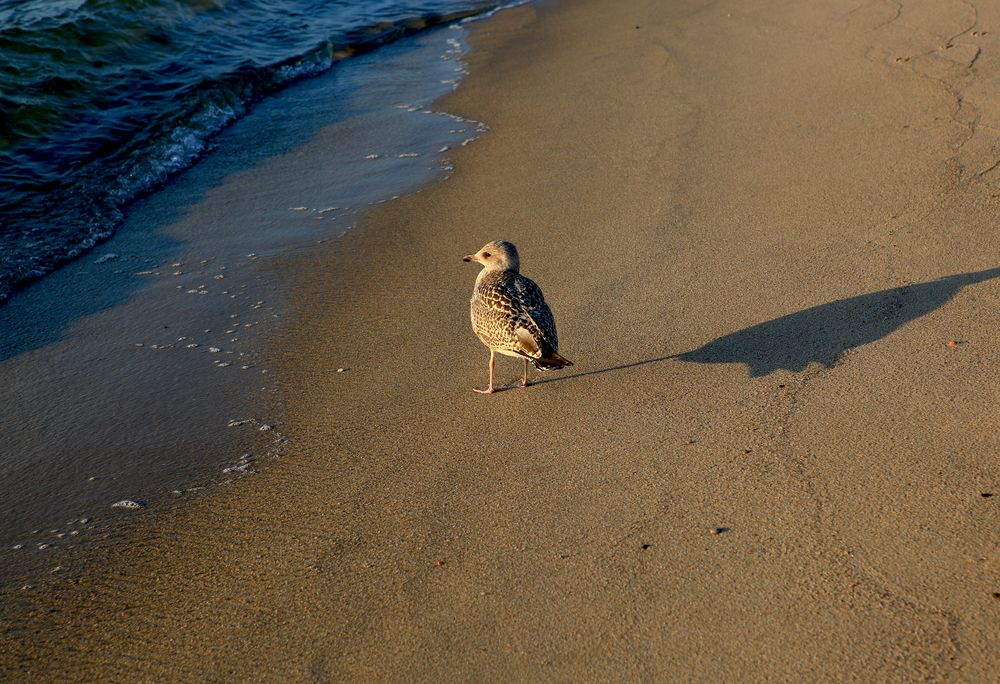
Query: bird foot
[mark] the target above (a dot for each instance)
(523, 383)
(488, 390)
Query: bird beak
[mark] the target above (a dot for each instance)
(470, 257)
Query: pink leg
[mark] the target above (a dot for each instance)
(524, 380)
(489, 388)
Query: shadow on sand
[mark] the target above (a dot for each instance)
(820, 334)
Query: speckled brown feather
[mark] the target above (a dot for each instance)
(504, 302)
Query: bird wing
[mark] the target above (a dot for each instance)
(536, 315)
(510, 313)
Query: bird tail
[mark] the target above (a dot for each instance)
(551, 362)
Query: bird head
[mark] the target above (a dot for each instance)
(498, 255)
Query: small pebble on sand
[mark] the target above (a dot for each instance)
(343, 370)
(129, 504)
(17, 547)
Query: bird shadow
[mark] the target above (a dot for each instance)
(609, 369)
(820, 334)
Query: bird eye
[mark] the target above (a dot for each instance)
(486, 255)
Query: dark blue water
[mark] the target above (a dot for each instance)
(101, 101)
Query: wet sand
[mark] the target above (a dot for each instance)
(137, 372)
(767, 232)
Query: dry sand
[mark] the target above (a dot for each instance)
(800, 201)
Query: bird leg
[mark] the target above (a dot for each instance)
(524, 380)
(489, 388)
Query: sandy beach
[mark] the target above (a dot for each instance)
(768, 235)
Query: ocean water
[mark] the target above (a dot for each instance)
(102, 101)
(144, 371)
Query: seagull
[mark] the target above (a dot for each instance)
(509, 313)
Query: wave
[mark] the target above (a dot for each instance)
(102, 101)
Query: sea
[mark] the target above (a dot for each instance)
(104, 101)
(163, 163)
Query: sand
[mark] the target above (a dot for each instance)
(111, 388)
(759, 225)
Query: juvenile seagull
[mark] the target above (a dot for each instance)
(509, 313)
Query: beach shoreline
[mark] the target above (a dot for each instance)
(138, 373)
(766, 232)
